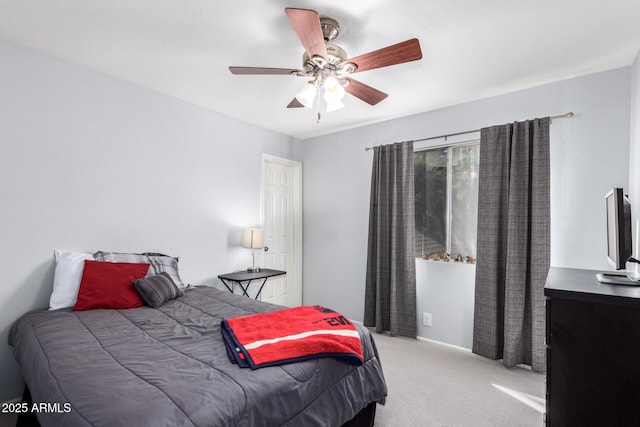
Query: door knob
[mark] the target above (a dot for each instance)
(266, 248)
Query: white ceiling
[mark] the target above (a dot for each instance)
(472, 49)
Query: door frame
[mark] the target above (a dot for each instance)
(296, 166)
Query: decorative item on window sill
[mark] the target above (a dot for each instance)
(446, 257)
(253, 239)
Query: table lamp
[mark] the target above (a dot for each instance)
(253, 239)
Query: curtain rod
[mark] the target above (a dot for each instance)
(562, 116)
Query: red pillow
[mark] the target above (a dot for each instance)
(108, 285)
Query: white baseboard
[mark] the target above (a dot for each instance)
(430, 340)
(445, 344)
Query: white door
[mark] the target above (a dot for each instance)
(282, 212)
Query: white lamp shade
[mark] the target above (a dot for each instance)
(334, 105)
(331, 83)
(333, 94)
(307, 95)
(253, 238)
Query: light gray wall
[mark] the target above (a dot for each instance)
(588, 156)
(89, 162)
(634, 161)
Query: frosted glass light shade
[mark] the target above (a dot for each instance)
(253, 238)
(333, 88)
(333, 94)
(331, 83)
(307, 95)
(334, 105)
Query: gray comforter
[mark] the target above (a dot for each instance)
(168, 367)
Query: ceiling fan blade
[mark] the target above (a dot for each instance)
(366, 93)
(295, 104)
(306, 24)
(406, 51)
(262, 70)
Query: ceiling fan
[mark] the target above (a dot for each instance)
(328, 66)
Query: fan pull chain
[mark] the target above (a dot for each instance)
(318, 104)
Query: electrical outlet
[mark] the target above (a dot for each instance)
(426, 319)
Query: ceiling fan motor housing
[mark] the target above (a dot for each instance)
(335, 54)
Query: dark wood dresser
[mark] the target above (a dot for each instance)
(593, 351)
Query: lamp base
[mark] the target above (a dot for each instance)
(253, 269)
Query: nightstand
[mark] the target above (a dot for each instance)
(230, 279)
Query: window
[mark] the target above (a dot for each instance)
(446, 191)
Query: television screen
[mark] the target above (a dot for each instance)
(618, 228)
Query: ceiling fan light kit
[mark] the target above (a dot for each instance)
(328, 65)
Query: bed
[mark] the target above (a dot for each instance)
(168, 366)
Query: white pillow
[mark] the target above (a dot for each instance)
(66, 279)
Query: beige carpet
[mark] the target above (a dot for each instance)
(435, 385)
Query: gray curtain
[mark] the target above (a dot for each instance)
(390, 296)
(513, 243)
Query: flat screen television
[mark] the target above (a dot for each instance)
(618, 228)
(619, 247)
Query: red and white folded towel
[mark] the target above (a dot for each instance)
(291, 335)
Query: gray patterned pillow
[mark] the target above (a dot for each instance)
(166, 264)
(120, 257)
(159, 262)
(156, 290)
